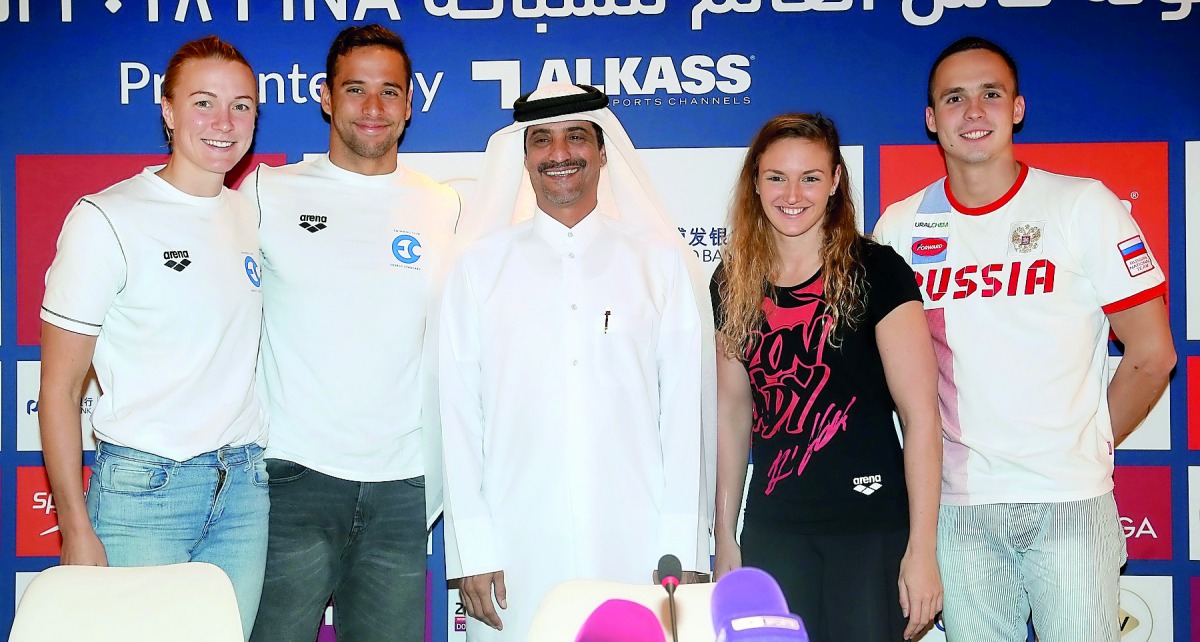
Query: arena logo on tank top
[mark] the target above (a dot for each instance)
(787, 367)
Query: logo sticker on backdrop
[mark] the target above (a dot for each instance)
(1145, 609)
(29, 437)
(1143, 495)
(37, 520)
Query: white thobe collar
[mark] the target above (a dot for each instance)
(568, 239)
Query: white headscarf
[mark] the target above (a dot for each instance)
(504, 196)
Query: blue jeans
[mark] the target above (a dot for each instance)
(361, 543)
(149, 510)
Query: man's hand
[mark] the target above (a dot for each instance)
(476, 593)
(83, 549)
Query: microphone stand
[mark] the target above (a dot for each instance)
(671, 607)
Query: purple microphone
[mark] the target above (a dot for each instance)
(621, 621)
(747, 605)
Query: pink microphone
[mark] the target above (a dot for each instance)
(621, 621)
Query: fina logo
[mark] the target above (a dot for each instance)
(252, 271)
(404, 248)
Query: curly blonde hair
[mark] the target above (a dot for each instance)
(752, 261)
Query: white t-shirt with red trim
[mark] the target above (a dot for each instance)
(1016, 295)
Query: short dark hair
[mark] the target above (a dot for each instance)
(595, 126)
(352, 38)
(970, 43)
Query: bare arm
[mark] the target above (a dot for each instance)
(66, 358)
(911, 371)
(1146, 367)
(734, 423)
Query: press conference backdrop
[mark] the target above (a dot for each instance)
(1111, 86)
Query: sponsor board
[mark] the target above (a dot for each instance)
(1195, 610)
(1191, 220)
(47, 187)
(29, 436)
(325, 632)
(1143, 495)
(1154, 433)
(1194, 513)
(456, 620)
(21, 582)
(1146, 614)
(37, 519)
(1192, 374)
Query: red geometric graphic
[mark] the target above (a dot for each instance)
(47, 187)
(1144, 502)
(1193, 402)
(1135, 172)
(37, 520)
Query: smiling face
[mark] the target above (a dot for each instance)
(368, 103)
(795, 179)
(211, 118)
(974, 108)
(564, 161)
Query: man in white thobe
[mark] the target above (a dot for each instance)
(570, 372)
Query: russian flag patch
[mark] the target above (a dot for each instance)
(1137, 258)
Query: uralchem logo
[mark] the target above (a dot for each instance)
(662, 79)
(37, 520)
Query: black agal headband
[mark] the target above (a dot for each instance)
(525, 110)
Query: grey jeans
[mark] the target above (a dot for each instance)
(360, 543)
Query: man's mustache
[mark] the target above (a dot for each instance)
(574, 162)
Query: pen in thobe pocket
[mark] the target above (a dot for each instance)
(607, 313)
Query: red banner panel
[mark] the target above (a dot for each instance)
(46, 189)
(1144, 503)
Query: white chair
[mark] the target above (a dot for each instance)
(179, 602)
(566, 607)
